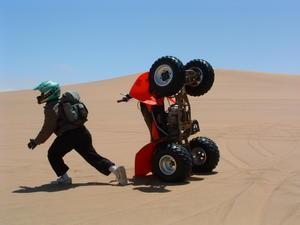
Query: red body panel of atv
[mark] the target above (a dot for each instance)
(143, 160)
(140, 90)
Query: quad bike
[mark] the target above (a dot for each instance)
(170, 155)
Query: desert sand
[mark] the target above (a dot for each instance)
(253, 117)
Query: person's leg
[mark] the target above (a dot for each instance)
(85, 148)
(59, 148)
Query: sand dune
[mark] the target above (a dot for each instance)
(254, 119)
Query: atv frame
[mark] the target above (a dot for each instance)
(173, 157)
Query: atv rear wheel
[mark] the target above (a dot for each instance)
(166, 76)
(172, 163)
(205, 154)
(205, 78)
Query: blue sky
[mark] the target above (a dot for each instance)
(80, 41)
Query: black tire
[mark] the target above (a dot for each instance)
(166, 76)
(205, 154)
(206, 80)
(172, 163)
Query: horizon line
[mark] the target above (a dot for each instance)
(112, 77)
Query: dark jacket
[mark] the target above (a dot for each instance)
(54, 122)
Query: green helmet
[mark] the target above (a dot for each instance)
(49, 91)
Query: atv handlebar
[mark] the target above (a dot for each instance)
(126, 98)
(122, 100)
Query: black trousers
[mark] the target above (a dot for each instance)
(79, 139)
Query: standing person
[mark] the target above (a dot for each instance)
(70, 135)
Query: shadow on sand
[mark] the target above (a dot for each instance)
(56, 188)
(151, 184)
(206, 174)
(148, 184)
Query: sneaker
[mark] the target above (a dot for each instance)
(121, 175)
(63, 180)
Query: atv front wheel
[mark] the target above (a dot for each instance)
(166, 76)
(172, 163)
(205, 154)
(204, 79)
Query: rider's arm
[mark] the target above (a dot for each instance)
(49, 126)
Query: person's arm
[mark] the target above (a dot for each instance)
(49, 126)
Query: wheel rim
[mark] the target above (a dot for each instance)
(200, 78)
(199, 156)
(163, 75)
(167, 165)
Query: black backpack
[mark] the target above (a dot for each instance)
(74, 110)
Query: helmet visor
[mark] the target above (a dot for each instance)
(43, 97)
